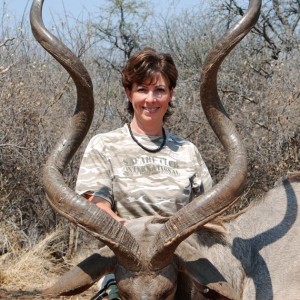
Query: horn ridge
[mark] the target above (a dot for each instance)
(62, 199)
(206, 207)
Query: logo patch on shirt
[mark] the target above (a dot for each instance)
(147, 165)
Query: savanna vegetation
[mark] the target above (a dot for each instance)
(258, 82)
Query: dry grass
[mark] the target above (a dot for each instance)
(26, 272)
(32, 268)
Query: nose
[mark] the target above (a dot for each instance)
(151, 96)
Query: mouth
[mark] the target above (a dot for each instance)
(151, 110)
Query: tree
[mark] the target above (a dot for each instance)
(120, 30)
(278, 27)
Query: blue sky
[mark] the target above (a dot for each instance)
(80, 8)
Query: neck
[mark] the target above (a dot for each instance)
(146, 129)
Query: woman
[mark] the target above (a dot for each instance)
(141, 169)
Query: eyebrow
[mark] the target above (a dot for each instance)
(149, 84)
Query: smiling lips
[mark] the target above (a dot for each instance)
(151, 109)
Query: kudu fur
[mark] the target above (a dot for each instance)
(254, 255)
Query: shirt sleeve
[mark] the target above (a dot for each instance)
(94, 176)
(201, 181)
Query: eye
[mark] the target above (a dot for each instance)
(141, 90)
(159, 92)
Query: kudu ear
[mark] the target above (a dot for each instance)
(84, 275)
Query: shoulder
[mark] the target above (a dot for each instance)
(106, 138)
(180, 141)
(183, 148)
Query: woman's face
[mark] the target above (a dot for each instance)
(150, 101)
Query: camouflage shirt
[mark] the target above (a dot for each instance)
(139, 183)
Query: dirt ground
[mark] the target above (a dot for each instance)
(10, 293)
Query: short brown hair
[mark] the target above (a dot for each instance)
(145, 65)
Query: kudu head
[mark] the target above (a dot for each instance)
(144, 270)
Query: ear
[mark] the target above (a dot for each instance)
(172, 94)
(84, 275)
(128, 93)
